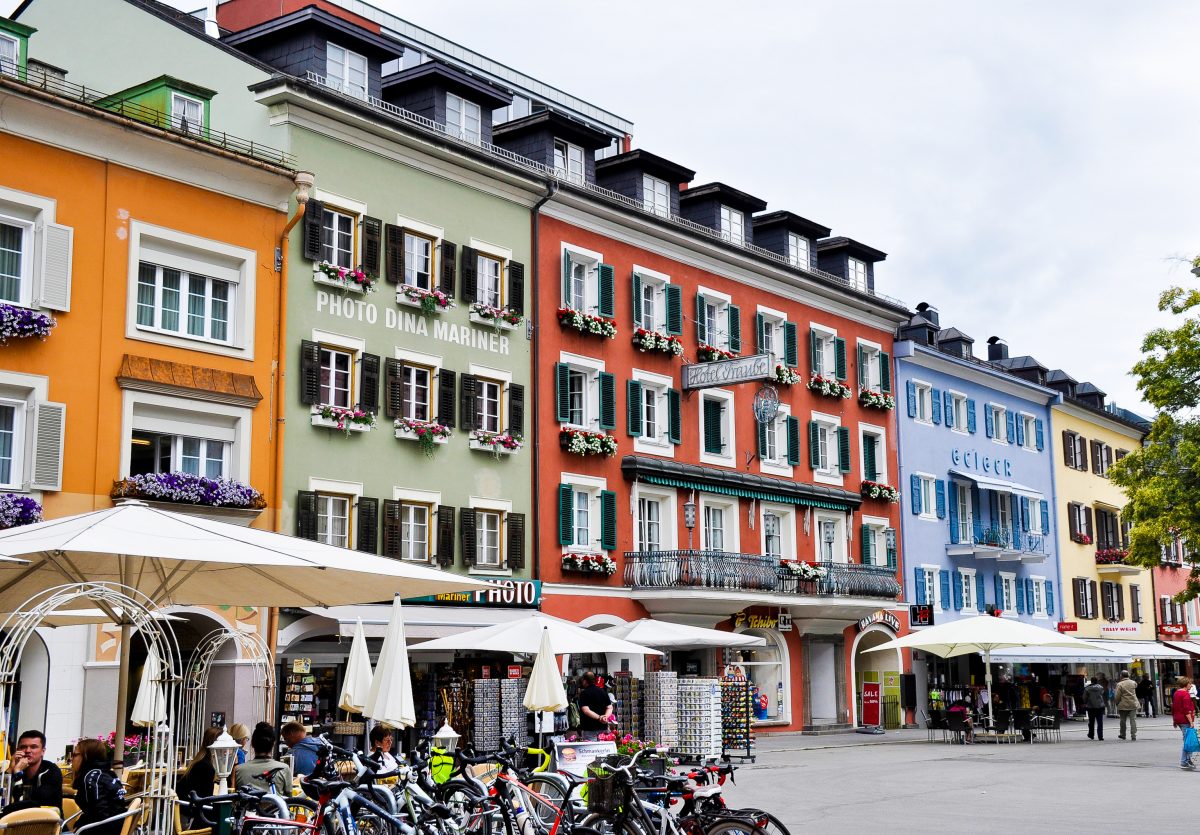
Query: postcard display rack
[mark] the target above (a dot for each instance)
(628, 692)
(699, 718)
(300, 699)
(661, 713)
(486, 725)
(736, 711)
(513, 715)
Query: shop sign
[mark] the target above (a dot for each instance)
(870, 703)
(972, 460)
(886, 618)
(514, 670)
(702, 375)
(411, 321)
(1068, 626)
(1173, 630)
(509, 594)
(755, 621)
(575, 757)
(1118, 629)
(921, 615)
(302, 666)
(785, 622)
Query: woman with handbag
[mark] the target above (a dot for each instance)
(1183, 714)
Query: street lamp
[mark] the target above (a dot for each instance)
(224, 754)
(829, 534)
(446, 738)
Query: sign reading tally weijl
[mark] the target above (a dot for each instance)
(703, 375)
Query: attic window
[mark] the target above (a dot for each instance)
(10, 50)
(346, 71)
(187, 114)
(857, 274)
(733, 225)
(462, 118)
(655, 197)
(568, 161)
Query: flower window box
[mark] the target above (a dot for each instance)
(803, 570)
(647, 340)
(584, 443)
(429, 301)
(344, 420)
(871, 399)
(710, 353)
(595, 564)
(428, 433)
(829, 387)
(18, 322)
(342, 278)
(587, 323)
(1111, 556)
(1081, 539)
(497, 443)
(16, 510)
(877, 490)
(503, 318)
(221, 500)
(785, 376)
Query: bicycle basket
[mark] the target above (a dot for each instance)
(607, 791)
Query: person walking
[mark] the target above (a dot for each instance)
(1094, 699)
(1127, 705)
(1145, 694)
(1183, 715)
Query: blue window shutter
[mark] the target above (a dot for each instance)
(839, 358)
(935, 401)
(1019, 595)
(939, 488)
(791, 350)
(953, 509)
(605, 302)
(1020, 426)
(735, 328)
(1039, 430)
(1029, 607)
(793, 440)
(919, 590)
(914, 493)
(1015, 503)
(1024, 513)
(701, 333)
(971, 416)
(1049, 588)
(989, 420)
(980, 600)
(944, 581)
(999, 589)
(674, 419)
(608, 400)
(910, 391)
(674, 297)
(1045, 511)
(566, 512)
(633, 407)
(637, 300)
(948, 402)
(957, 580)
(562, 395)
(843, 436)
(975, 505)
(885, 372)
(1010, 429)
(608, 520)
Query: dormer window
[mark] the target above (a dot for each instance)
(733, 225)
(187, 114)
(346, 71)
(857, 274)
(798, 251)
(463, 118)
(10, 51)
(568, 161)
(655, 196)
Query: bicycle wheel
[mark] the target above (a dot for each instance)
(605, 826)
(765, 821)
(555, 794)
(733, 826)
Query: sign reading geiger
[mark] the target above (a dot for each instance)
(703, 375)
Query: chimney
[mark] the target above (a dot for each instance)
(210, 21)
(997, 349)
(929, 312)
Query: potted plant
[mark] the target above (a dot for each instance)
(785, 376)
(498, 443)
(589, 564)
(344, 277)
(711, 353)
(186, 488)
(344, 420)
(587, 323)
(647, 340)
(583, 443)
(430, 301)
(498, 316)
(829, 387)
(872, 399)
(16, 509)
(878, 490)
(428, 433)
(20, 322)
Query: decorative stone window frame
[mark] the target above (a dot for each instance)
(29, 393)
(833, 475)
(969, 601)
(194, 416)
(779, 465)
(661, 383)
(52, 242)
(923, 391)
(1039, 594)
(593, 486)
(504, 255)
(505, 378)
(592, 367)
(777, 318)
(668, 500)
(434, 363)
(503, 507)
(787, 528)
(356, 346)
(928, 508)
(591, 260)
(721, 301)
(956, 398)
(841, 545)
(351, 489)
(660, 281)
(731, 532)
(430, 498)
(878, 524)
(881, 451)
(728, 457)
(874, 351)
(1029, 429)
(828, 337)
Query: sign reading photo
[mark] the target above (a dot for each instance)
(703, 375)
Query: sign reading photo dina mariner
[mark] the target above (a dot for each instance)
(703, 375)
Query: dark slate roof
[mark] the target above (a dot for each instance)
(1059, 376)
(793, 223)
(725, 194)
(560, 126)
(476, 89)
(1088, 388)
(952, 334)
(647, 162)
(1018, 363)
(1132, 417)
(362, 39)
(633, 466)
(855, 248)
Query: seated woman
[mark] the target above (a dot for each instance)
(199, 776)
(98, 791)
(962, 708)
(382, 739)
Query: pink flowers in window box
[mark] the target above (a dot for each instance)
(496, 314)
(345, 420)
(346, 277)
(499, 443)
(1081, 538)
(430, 301)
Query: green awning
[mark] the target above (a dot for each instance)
(744, 493)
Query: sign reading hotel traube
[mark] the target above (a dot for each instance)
(703, 375)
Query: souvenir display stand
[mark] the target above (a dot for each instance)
(737, 728)
(699, 719)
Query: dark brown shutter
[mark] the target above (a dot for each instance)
(1135, 603)
(392, 405)
(1119, 594)
(391, 528)
(1087, 521)
(467, 406)
(1068, 449)
(1105, 601)
(372, 241)
(1079, 593)
(469, 274)
(393, 253)
(445, 536)
(466, 535)
(1073, 518)
(516, 409)
(1092, 607)
(368, 384)
(516, 287)
(367, 536)
(314, 221)
(516, 540)
(306, 514)
(446, 275)
(446, 389)
(1096, 457)
(1108, 459)
(310, 373)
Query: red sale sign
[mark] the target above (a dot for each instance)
(870, 703)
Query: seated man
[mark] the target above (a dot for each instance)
(262, 772)
(36, 780)
(303, 748)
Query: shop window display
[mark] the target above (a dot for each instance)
(766, 669)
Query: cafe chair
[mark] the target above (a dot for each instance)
(956, 723)
(179, 830)
(130, 817)
(1002, 725)
(935, 721)
(1048, 728)
(1023, 724)
(38, 821)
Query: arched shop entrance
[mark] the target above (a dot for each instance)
(883, 668)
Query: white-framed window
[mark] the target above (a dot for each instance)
(414, 531)
(1003, 518)
(655, 196)
(581, 283)
(568, 161)
(925, 404)
(488, 284)
(966, 513)
(35, 252)
(932, 585)
(1028, 431)
(928, 487)
(713, 311)
(717, 436)
(830, 538)
(12, 442)
(828, 465)
(187, 113)
(585, 512)
(719, 528)
(958, 412)
(583, 391)
(872, 445)
(824, 348)
(337, 237)
(875, 550)
(489, 552)
(10, 54)
(16, 259)
(156, 452)
(1008, 588)
(190, 292)
(999, 426)
(771, 333)
(416, 386)
(778, 525)
(346, 71)
(1039, 597)
(489, 396)
(463, 118)
(336, 377)
(656, 428)
(774, 454)
(714, 527)
(1035, 517)
(193, 434)
(418, 261)
(333, 519)
(856, 272)
(649, 523)
(967, 578)
(871, 372)
(651, 302)
(733, 225)
(799, 252)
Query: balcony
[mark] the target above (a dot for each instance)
(707, 583)
(1114, 562)
(997, 542)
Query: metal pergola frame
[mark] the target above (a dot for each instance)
(250, 645)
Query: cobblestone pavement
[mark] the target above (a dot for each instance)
(899, 782)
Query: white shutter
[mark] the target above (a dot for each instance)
(55, 290)
(49, 427)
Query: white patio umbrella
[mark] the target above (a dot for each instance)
(524, 635)
(150, 706)
(85, 617)
(667, 635)
(176, 558)
(390, 699)
(983, 634)
(358, 674)
(545, 691)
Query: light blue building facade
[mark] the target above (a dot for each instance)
(975, 463)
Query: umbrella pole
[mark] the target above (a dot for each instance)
(987, 677)
(122, 692)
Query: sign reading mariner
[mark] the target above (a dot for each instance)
(703, 375)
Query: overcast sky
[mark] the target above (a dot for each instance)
(1029, 167)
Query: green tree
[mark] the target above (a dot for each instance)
(1162, 480)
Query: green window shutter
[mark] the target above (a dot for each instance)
(813, 340)
(637, 300)
(735, 328)
(712, 427)
(608, 400)
(839, 357)
(868, 544)
(891, 553)
(791, 350)
(674, 419)
(863, 379)
(674, 310)
(608, 520)
(759, 345)
(871, 470)
(566, 511)
(633, 397)
(762, 440)
(793, 440)
(605, 306)
(562, 391)
(843, 449)
(885, 372)
(814, 444)
(701, 332)
(566, 280)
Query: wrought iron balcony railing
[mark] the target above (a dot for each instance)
(724, 570)
(997, 536)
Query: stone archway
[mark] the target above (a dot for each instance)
(876, 667)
